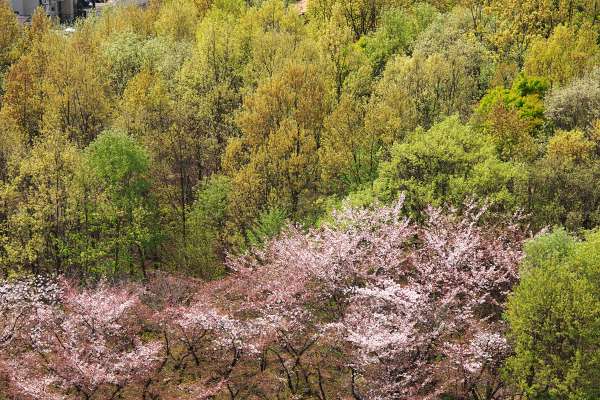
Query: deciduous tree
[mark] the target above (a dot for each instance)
(553, 316)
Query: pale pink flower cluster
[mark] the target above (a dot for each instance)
(425, 331)
(18, 298)
(370, 305)
(87, 344)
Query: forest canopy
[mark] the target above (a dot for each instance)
(365, 199)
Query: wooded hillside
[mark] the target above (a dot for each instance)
(367, 199)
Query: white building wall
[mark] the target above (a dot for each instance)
(64, 9)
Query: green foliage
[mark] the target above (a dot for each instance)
(567, 54)
(577, 104)
(361, 16)
(446, 74)
(525, 96)
(228, 117)
(177, 19)
(172, 135)
(10, 35)
(118, 212)
(449, 163)
(513, 136)
(350, 153)
(562, 188)
(119, 164)
(554, 315)
(211, 201)
(553, 247)
(268, 225)
(37, 204)
(396, 34)
(208, 218)
(275, 162)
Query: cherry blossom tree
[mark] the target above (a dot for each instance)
(369, 305)
(433, 328)
(416, 308)
(86, 346)
(209, 344)
(19, 298)
(299, 281)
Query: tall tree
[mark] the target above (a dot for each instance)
(117, 213)
(448, 164)
(282, 127)
(39, 209)
(568, 53)
(10, 35)
(554, 317)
